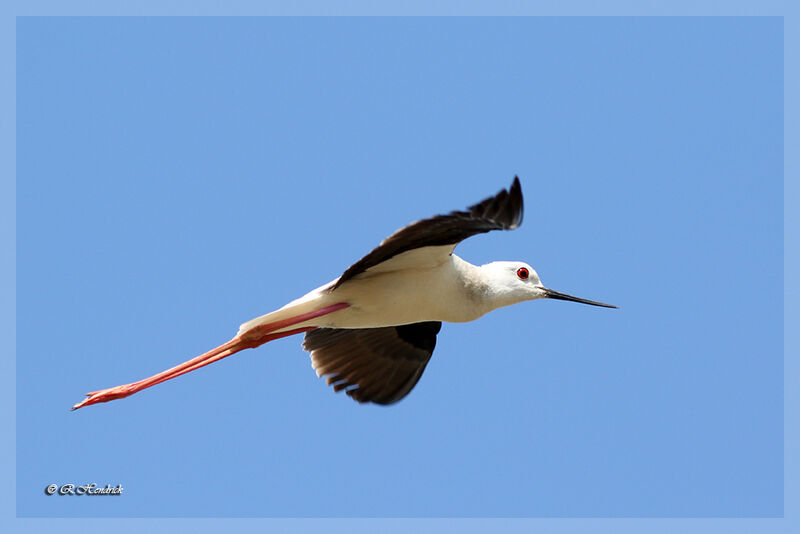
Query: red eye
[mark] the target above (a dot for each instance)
(523, 273)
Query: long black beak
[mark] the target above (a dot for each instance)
(550, 294)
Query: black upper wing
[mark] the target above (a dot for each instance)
(500, 212)
(379, 365)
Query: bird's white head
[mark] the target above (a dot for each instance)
(509, 282)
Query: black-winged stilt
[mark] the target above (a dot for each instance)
(372, 331)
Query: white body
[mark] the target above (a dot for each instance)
(425, 284)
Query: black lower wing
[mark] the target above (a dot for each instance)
(500, 212)
(380, 365)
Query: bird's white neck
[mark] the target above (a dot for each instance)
(484, 287)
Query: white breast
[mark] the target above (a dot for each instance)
(440, 292)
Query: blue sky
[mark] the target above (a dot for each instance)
(176, 177)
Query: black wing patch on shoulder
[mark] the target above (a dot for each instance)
(500, 212)
(380, 365)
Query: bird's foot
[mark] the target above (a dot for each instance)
(105, 395)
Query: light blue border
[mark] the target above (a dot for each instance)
(11, 9)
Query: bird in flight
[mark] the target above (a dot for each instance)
(372, 331)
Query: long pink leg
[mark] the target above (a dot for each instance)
(252, 338)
